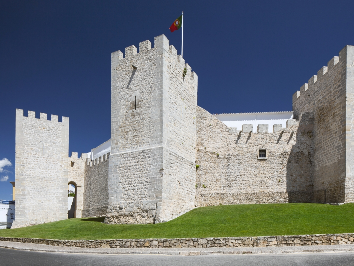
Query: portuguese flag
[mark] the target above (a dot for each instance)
(176, 24)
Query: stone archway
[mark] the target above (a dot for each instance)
(72, 199)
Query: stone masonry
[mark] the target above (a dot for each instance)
(96, 187)
(169, 155)
(230, 171)
(76, 170)
(199, 243)
(42, 148)
(152, 163)
(329, 97)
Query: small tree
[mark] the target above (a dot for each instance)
(71, 193)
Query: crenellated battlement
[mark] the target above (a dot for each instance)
(307, 87)
(160, 42)
(279, 134)
(98, 160)
(263, 128)
(75, 155)
(42, 116)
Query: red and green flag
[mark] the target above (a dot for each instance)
(176, 24)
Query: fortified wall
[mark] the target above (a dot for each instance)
(168, 156)
(96, 186)
(41, 171)
(76, 177)
(231, 171)
(152, 162)
(44, 170)
(329, 97)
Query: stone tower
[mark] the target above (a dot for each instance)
(329, 97)
(42, 148)
(152, 172)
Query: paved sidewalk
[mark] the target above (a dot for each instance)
(179, 251)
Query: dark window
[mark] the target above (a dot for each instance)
(262, 154)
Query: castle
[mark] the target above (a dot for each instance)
(167, 155)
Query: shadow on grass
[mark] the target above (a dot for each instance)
(93, 219)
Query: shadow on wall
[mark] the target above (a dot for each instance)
(94, 219)
(71, 211)
(331, 150)
(300, 165)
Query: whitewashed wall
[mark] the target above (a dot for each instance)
(102, 149)
(7, 215)
(70, 202)
(236, 120)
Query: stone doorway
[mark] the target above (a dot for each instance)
(72, 192)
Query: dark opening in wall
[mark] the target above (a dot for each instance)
(262, 154)
(72, 164)
(72, 192)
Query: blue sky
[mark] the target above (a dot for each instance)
(250, 56)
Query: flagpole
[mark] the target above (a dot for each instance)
(182, 34)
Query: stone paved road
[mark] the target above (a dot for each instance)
(29, 258)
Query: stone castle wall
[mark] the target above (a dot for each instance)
(76, 176)
(327, 96)
(168, 155)
(179, 133)
(95, 198)
(152, 101)
(135, 177)
(229, 170)
(349, 129)
(42, 148)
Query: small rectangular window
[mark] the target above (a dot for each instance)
(262, 154)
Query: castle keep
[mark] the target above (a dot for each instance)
(167, 155)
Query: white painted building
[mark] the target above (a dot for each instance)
(100, 150)
(236, 120)
(7, 213)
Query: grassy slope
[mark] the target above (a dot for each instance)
(218, 221)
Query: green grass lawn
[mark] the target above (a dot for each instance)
(217, 221)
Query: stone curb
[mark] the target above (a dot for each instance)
(179, 251)
(197, 243)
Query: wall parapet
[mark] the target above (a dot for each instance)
(98, 160)
(160, 42)
(263, 128)
(75, 155)
(307, 87)
(42, 116)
